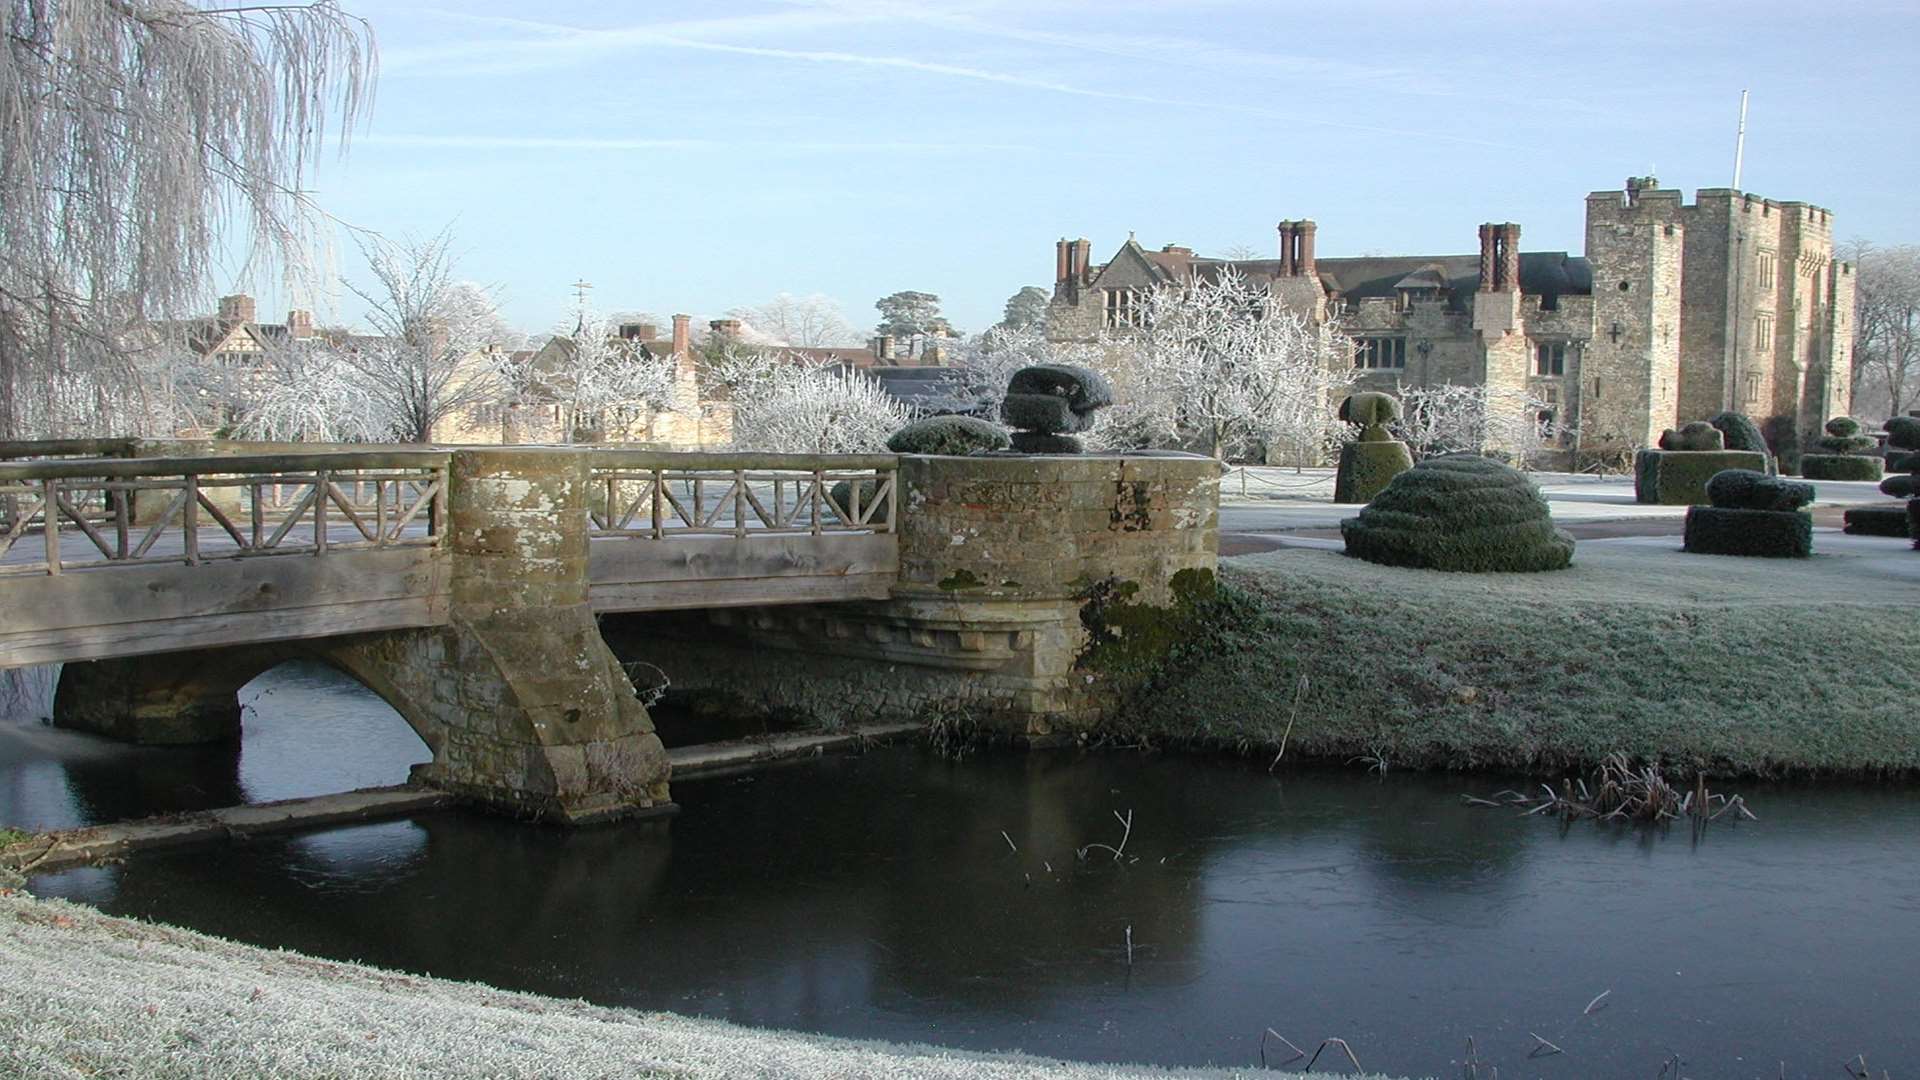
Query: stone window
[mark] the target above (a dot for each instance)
(1380, 353)
(1122, 308)
(1763, 331)
(1766, 269)
(1751, 392)
(1550, 358)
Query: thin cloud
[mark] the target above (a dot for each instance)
(561, 142)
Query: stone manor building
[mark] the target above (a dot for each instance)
(1676, 311)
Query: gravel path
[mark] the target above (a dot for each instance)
(86, 995)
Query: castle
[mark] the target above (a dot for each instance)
(1676, 312)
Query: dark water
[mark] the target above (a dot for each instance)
(876, 896)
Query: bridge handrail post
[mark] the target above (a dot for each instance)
(50, 522)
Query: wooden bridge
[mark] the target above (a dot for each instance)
(111, 557)
(464, 586)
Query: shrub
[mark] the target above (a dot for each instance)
(1887, 520)
(1459, 512)
(1373, 411)
(1903, 432)
(1082, 387)
(1366, 468)
(1719, 530)
(950, 436)
(1845, 466)
(1739, 431)
(1698, 435)
(1745, 489)
(1679, 477)
(1043, 413)
(1033, 442)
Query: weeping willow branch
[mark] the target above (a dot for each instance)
(137, 137)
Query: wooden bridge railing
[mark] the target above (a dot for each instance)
(134, 511)
(658, 495)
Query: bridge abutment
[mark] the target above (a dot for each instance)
(159, 700)
(1031, 589)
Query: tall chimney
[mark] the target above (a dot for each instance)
(1303, 261)
(238, 308)
(1060, 263)
(1486, 258)
(1510, 257)
(1286, 248)
(299, 324)
(1081, 258)
(682, 334)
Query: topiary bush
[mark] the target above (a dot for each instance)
(1903, 442)
(1459, 512)
(1715, 530)
(1366, 468)
(949, 436)
(1889, 519)
(1049, 402)
(1752, 514)
(1698, 435)
(1846, 454)
(1738, 431)
(1679, 477)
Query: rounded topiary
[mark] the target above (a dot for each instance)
(1849, 466)
(1367, 467)
(1903, 432)
(1373, 411)
(1459, 512)
(1738, 431)
(949, 436)
(1745, 489)
(1083, 387)
(1043, 413)
(1049, 402)
(1698, 435)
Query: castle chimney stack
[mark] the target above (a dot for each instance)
(1286, 248)
(238, 308)
(682, 334)
(1487, 260)
(299, 324)
(1061, 263)
(1510, 257)
(725, 329)
(1303, 261)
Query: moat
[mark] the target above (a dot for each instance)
(900, 895)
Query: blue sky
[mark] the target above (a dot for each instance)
(697, 158)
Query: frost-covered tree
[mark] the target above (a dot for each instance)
(1028, 307)
(307, 391)
(907, 314)
(812, 321)
(428, 356)
(597, 378)
(139, 139)
(1447, 418)
(1217, 367)
(1886, 338)
(986, 361)
(785, 406)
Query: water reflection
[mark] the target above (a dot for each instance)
(306, 729)
(878, 896)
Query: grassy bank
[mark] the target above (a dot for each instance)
(1744, 666)
(82, 995)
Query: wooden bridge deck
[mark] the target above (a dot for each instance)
(157, 556)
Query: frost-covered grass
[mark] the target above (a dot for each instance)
(84, 995)
(1740, 665)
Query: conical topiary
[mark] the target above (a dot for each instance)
(1459, 512)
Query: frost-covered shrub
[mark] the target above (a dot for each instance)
(1846, 454)
(1459, 512)
(1745, 489)
(952, 436)
(1679, 477)
(1698, 435)
(1739, 431)
(1777, 534)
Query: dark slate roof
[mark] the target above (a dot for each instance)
(928, 390)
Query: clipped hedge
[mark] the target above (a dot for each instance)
(1775, 534)
(1739, 431)
(1842, 466)
(1460, 512)
(1366, 468)
(1744, 489)
(1903, 432)
(1889, 519)
(1043, 413)
(1082, 387)
(1679, 477)
(949, 436)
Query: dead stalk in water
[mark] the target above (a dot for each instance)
(1129, 944)
(1126, 824)
(1297, 1052)
(1010, 844)
(1342, 1044)
(1299, 688)
(1543, 1048)
(1591, 1005)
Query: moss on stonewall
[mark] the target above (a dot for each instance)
(961, 579)
(1128, 640)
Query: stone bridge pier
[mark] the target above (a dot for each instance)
(516, 694)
